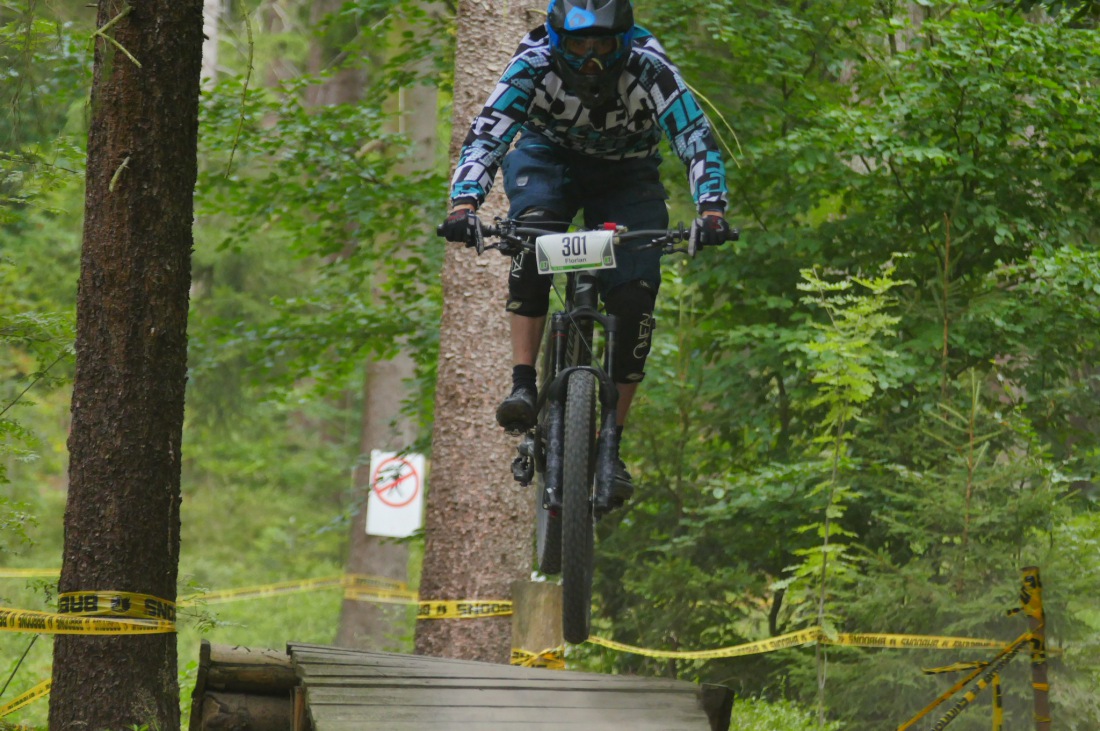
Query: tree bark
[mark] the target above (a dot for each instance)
(122, 519)
(368, 625)
(478, 522)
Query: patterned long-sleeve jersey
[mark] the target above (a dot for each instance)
(652, 99)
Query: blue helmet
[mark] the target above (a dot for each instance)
(590, 42)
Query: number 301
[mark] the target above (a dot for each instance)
(574, 246)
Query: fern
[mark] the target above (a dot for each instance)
(846, 359)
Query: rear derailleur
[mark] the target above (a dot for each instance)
(523, 466)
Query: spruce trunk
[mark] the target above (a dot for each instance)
(122, 520)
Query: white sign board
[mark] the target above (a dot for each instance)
(395, 504)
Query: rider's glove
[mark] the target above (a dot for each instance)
(708, 231)
(460, 227)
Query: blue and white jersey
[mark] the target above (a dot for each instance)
(652, 99)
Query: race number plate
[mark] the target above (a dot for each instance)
(574, 251)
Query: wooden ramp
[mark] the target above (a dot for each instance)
(337, 689)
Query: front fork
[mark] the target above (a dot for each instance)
(530, 456)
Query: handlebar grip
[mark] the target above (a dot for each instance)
(439, 230)
(733, 235)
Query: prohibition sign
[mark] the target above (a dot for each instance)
(396, 482)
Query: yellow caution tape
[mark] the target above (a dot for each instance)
(39, 691)
(913, 642)
(251, 592)
(808, 636)
(552, 658)
(792, 639)
(956, 667)
(977, 668)
(354, 580)
(115, 604)
(359, 587)
(263, 590)
(385, 596)
(29, 573)
(18, 620)
(976, 665)
(460, 609)
(347, 581)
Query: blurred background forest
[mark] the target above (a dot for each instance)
(892, 375)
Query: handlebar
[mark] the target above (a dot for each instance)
(515, 237)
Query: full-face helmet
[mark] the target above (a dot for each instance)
(590, 42)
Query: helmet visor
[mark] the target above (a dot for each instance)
(588, 53)
(584, 45)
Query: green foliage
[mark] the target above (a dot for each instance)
(42, 91)
(749, 715)
(955, 452)
(872, 457)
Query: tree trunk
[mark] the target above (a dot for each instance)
(479, 521)
(367, 625)
(211, 29)
(345, 85)
(122, 519)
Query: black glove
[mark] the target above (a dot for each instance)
(708, 231)
(460, 227)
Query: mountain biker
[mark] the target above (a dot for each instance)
(590, 94)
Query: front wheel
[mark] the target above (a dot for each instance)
(578, 520)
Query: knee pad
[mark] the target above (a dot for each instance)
(529, 291)
(632, 305)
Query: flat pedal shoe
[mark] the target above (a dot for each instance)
(517, 412)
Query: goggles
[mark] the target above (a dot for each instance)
(579, 50)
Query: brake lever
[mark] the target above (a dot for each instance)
(479, 239)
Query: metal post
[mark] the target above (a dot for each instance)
(1031, 597)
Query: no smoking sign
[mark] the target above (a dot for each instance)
(396, 500)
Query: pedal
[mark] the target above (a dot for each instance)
(523, 470)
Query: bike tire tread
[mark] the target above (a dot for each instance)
(578, 525)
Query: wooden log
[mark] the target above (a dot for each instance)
(246, 712)
(225, 669)
(536, 616)
(247, 670)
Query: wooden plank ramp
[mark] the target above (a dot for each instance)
(342, 689)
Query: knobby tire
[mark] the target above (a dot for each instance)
(547, 525)
(578, 521)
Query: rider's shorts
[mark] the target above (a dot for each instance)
(539, 174)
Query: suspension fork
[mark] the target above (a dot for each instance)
(607, 444)
(584, 294)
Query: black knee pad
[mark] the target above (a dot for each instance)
(529, 291)
(632, 305)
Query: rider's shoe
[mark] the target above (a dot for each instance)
(517, 412)
(622, 489)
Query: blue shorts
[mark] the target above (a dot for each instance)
(541, 174)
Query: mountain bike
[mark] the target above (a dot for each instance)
(573, 459)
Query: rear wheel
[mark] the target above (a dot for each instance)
(578, 521)
(547, 523)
